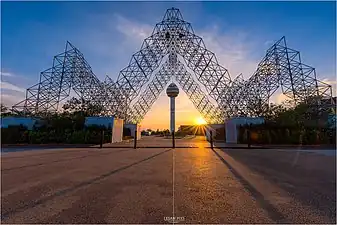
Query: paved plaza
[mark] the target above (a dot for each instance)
(192, 183)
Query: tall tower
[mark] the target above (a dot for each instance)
(172, 91)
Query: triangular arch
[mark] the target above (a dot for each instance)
(281, 67)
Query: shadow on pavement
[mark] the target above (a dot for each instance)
(60, 160)
(20, 148)
(42, 152)
(32, 204)
(312, 180)
(273, 213)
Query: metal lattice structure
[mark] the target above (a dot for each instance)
(281, 67)
(176, 53)
(69, 70)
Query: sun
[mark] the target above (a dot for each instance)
(200, 121)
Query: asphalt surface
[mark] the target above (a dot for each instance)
(192, 184)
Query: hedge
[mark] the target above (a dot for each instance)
(20, 135)
(273, 134)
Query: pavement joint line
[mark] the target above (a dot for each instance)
(272, 212)
(80, 185)
(57, 161)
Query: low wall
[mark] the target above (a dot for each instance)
(106, 121)
(28, 122)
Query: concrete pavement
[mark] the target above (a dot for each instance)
(147, 185)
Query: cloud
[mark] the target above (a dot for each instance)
(12, 87)
(115, 39)
(280, 98)
(231, 49)
(133, 30)
(132, 34)
(329, 81)
(10, 93)
(6, 74)
(10, 99)
(333, 84)
(118, 37)
(268, 43)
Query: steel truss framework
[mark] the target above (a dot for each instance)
(175, 38)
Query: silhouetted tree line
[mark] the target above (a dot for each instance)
(62, 127)
(303, 123)
(155, 132)
(300, 124)
(270, 133)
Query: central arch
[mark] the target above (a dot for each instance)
(173, 51)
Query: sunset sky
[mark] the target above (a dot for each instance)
(108, 33)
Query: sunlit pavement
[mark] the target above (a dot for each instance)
(146, 185)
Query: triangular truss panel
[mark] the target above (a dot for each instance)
(69, 70)
(280, 68)
(209, 86)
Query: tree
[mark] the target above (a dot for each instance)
(149, 131)
(81, 105)
(5, 111)
(273, 111)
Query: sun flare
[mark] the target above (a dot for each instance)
(200, 121)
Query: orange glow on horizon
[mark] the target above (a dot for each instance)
(159, 115)
(200, 121)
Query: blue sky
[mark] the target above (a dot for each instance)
(108, 33)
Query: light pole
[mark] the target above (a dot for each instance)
(172, 91)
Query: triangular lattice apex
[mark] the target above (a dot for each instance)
(176, 53)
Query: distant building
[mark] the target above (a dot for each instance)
(192, 129)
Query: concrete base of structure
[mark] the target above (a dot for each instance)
(228, 132)
(133, 128)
